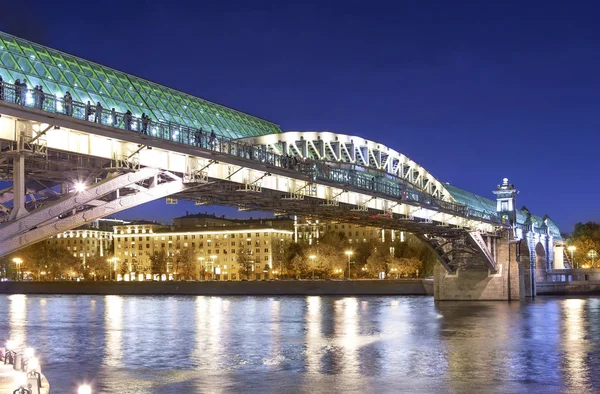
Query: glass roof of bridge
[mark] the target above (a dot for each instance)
(58, 72)
(479, 203)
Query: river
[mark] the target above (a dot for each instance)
(131, 344)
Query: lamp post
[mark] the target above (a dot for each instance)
(201, 260)
(21, 382)
(592, 254)
(281, 255)
(572, 249)
(18, 262)
(312, 264)
(212, 274)
(349, 253)
(112, 266)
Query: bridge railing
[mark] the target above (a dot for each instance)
(205, 139)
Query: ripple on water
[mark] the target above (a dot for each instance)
(309, 344)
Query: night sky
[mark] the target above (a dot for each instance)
(472, 91)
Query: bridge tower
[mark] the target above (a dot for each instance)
(506, 198)
(476, 281)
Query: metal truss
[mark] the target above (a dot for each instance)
(453, 245)
(342, 148)
(74, 209)
(124, 170)
(459, 252)
(483, 248)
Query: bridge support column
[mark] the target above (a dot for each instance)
(18, 210)
(479, 283)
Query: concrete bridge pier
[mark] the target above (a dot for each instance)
(480, 283)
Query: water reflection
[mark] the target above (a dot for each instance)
(309, 344)
(313, 334)
(17, 317)
(113, 320)
(575, 344)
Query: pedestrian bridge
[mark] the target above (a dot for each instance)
(73, 160)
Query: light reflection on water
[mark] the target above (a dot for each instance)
(308, 344)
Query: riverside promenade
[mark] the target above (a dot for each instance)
(225, 288)
(8, 381)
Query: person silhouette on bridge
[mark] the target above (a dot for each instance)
(18, 91)
(23, 92)
(1, 88)
(145, 122)
(68, 104)
(113, 117)
(42, 96)
(198, 137)
(213, 136)
(98, 114)
(36, 96)
(127, 120)
(88, 110)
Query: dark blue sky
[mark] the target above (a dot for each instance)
(473, 91)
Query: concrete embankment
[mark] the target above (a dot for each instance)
(283, 287)
(569, 288)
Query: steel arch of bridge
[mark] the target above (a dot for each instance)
(342, 148)
(228, 171)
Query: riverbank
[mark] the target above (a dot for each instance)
(568, 288)
(283, 287)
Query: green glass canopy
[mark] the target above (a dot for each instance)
(58, 72)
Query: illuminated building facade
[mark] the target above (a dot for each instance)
(213, 250)
(91, 240)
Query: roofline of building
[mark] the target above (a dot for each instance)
(214, 231)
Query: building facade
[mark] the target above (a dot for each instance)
(93, 239)
(310, 230)
(214, 250)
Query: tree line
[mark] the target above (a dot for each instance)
(586, 240)
(326, 258)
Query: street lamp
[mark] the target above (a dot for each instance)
(113, 261)
(212, 274)
(281, 254)
(312, 263)
(18, 262)
(201, 260)
(79, 187)
(349, 253)
(592, 254)
(572, 249)
(84, 389)
(21, 382)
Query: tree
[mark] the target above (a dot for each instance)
(293, 255)
(297, 266)
(327, 259)
(123, 268)
(405, 266)
(98, 267)
(362, 251)
(45, 262)
(380, 260)
(585, 237)
(412, 247)
(279, 247)
(186, 265)
(245, 262)
(158, 263)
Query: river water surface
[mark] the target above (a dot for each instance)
(129, 344)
